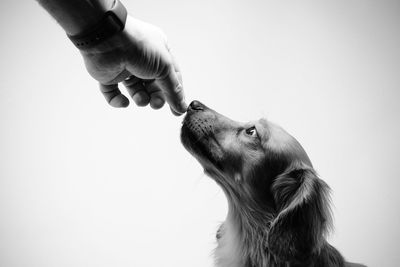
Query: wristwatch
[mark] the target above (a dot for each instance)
(111, 23)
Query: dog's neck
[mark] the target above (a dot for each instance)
(243, 236)
(229, 252)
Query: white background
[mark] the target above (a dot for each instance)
(82, 184)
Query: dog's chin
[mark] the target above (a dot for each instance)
(202, 146)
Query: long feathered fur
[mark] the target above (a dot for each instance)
(291, 234)
(279, 209)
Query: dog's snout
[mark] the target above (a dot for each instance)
(196, 106)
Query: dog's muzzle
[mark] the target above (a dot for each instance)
(198, 132)
(197, 123)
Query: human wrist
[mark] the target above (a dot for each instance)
(74, 16)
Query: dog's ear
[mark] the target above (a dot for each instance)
(303, 217)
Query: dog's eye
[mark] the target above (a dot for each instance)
(251, 131)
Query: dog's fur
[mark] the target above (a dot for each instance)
(278, 207)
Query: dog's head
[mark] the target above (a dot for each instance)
(262, 168)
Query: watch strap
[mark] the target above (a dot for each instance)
(111, 23)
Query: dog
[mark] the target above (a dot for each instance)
(278, 208)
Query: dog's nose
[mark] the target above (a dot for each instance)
(196, 106)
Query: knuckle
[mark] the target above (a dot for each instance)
(178, 90)
(165, 70)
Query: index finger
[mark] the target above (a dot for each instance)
(176, 65)
(173, 91)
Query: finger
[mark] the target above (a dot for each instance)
(173, 91)
(137, 91)
(157, 99)
(177, 71)
(179, 74)
(113, 95)
(176, 66)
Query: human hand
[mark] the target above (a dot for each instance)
(141, 59)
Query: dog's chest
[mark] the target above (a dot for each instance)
(228, 252)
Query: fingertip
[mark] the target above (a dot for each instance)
(157, 102)
(141, 98)
(179, 108)
(176, 113)
(183, 106)
(119, 101)
(178, 103)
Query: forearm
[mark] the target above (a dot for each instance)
(75, 16)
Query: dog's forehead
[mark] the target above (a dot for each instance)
(262, 126)
(275, 136)
(263, 122)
